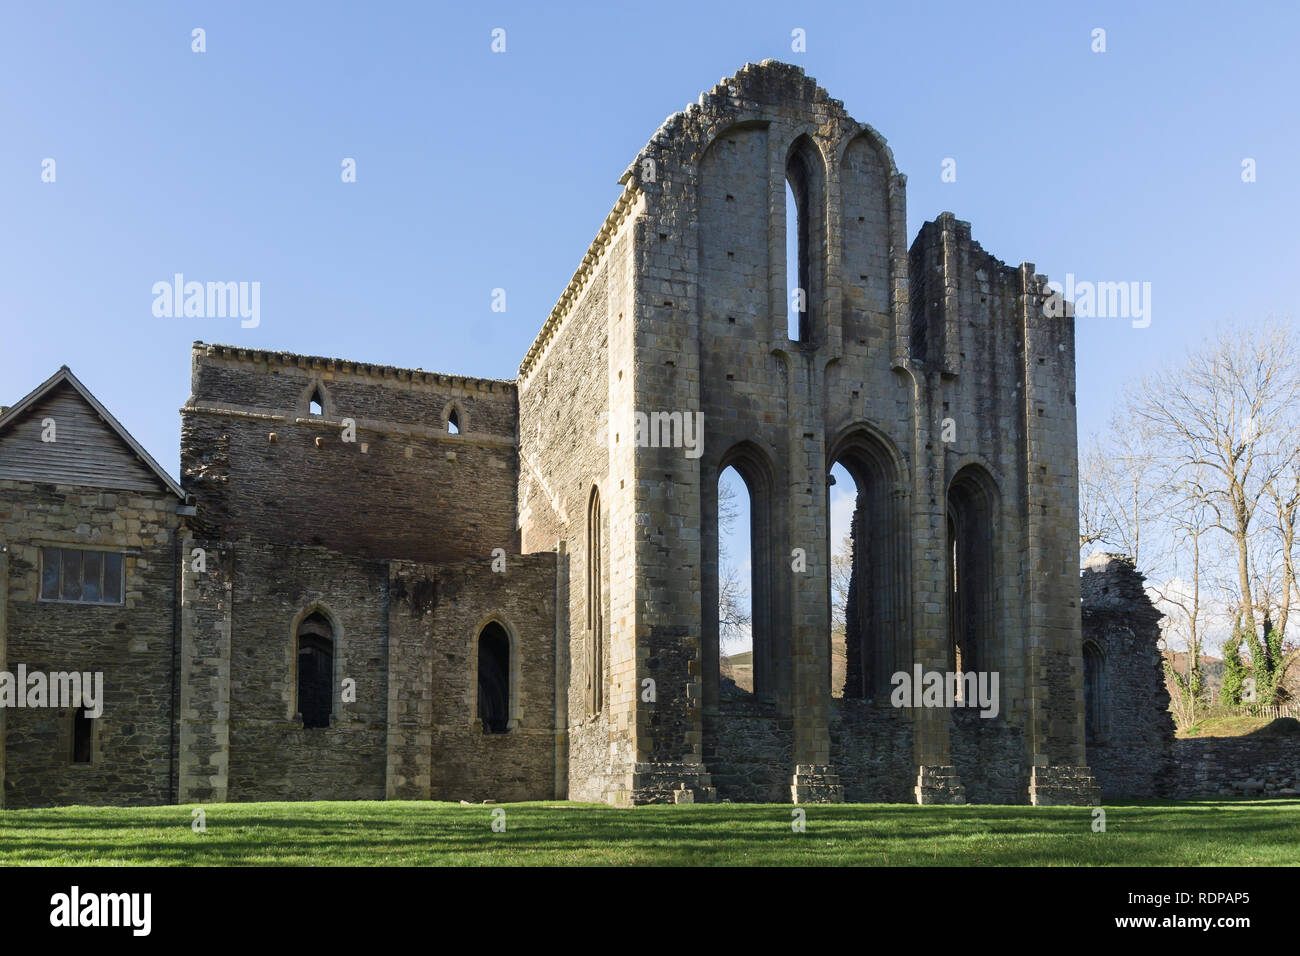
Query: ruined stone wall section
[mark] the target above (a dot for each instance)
(967, 325)
(712, 336)
(130, 644)
(1051, 518)
(1132, 755)
(405, 488)
(1258, 765)
(871, 748)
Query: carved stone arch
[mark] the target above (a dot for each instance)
(717, 130)
(315, 390)
(314, 609)
(596, 633)
(807, 176)
(972, 520)
(495, 623)
(754, 463)
(866, 437)
(730, 185)
(1096, 696)
(983, 469)
(874, 139)
(794, 133)
(877, 620)
(895, 293)
(454, 411)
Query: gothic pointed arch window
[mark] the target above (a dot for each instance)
(805, 177)
(83, 737)
(494, 679)
(595, 608)
(315, 670)
(1094, 693)
(971, 564)
(314, 400)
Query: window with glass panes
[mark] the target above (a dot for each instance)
(75, 576)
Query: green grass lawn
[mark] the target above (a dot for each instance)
(1194, 833)
(1225, 727)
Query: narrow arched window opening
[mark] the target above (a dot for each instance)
(453, 423)
(804, 239)
(316, 405)
(315, 670)
(83, 729)
(869, 581)
(494, 679)
(849, 571)
(742, 664)
(1093, 693)
(969, 555)
(595, 610)
(796, 276)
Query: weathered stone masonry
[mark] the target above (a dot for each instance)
(390, 538)
(680, 306)
(538, 513)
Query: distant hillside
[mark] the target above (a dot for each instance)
(740, 668)
(1212, 667)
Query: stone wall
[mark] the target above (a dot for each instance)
(406, 488)
(749, 750)
(871, 747)
(989, 754)
(1132, 746)
(1263, 764)
(449, 606)
(131, 644)
(301, 522)
(272, 756)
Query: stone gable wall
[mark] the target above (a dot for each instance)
(131, 644)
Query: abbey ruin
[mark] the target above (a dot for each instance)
(376, 582)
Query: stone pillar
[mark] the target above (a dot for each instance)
(206, 612)
(1055, 737)
(656, 714)
(409, 774)
(814, 780)
(936, 780)
(562, 584)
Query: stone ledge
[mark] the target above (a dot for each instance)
(1063, 787)
(937, 785)
(815, 783)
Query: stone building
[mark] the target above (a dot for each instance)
(394, 583)
(88, 539)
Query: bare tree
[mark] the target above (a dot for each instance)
(841, 577)
(733, 617)
(1198, 477)
(1117, 488)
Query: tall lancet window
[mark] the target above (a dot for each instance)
(595, 610)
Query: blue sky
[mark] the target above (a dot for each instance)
(478, 170)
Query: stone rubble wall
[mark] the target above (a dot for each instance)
(1252, 766)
